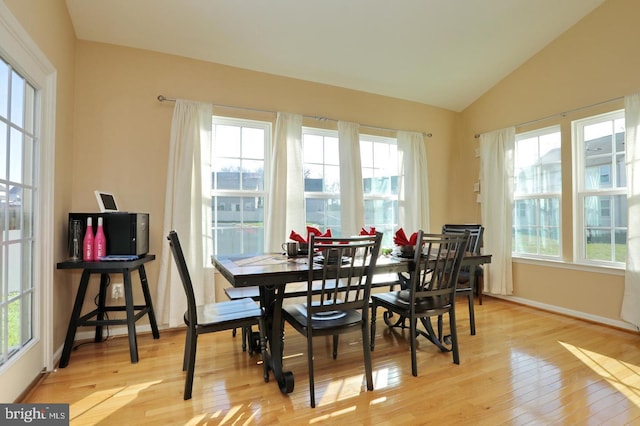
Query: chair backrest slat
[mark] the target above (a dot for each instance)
(437, 262)
(476, 232)
(347, 271)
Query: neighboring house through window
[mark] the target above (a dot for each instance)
(238, 184)
(537, 193)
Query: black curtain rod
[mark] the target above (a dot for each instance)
(162, 98)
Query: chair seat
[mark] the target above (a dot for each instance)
(321, 323)
(228, 311)
(400, 300)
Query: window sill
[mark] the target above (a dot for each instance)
(610, 270)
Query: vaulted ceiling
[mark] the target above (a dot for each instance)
(444, 53)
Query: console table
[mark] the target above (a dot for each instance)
(104, 269)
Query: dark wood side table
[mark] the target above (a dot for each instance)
(104, 269)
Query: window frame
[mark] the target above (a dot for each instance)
(542, 195)
(21, 51)
(391, 197)
(321, 195)
(580, 193)
(241, 193)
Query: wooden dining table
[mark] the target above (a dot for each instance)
(272, 272)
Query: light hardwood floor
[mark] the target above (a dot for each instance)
(524, 366)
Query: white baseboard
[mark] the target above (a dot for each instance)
(569, 312)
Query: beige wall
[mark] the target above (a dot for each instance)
(49, 25)
(123, 131)
(594, 61)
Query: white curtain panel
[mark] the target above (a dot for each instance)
(631, 299)
(496, 181)
(413, 185)
(187, 210)
(285, 203)
(351, 192)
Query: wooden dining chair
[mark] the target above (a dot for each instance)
(464, 286)
(430, 293)
(338, 302)
(212, 317)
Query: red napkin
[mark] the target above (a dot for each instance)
(371, 231)
(317, 232)
(400, 238)
(297, 237)
(310, 230)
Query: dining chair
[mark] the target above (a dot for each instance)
(464, 285)
(212, 317)
(431, 293)
(338, 301)
(249, 340)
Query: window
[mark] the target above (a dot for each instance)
(321, 168)
(238, 184)
(537, 192)
(379, 157)
(600, 200)
(321, 160)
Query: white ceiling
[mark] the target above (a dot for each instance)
(444, 53)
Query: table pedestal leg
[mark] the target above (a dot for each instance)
(271, 300)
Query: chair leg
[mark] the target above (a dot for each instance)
(373, 325)
(312, 390)
(244, 339)
(335, 346)
(367, 356)
(472, 316)
(191, 364)
(187, 346)
(480, 287)
(454, 336)
(413, 336)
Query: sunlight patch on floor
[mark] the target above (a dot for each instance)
(623, 376)
(334, 415)
(100, 404)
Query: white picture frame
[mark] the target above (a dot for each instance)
(106, 202)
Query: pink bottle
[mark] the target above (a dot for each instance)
(87, 243)
(99, 242)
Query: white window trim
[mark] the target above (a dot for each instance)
(242, 122)
(30, 62)
(579, 193)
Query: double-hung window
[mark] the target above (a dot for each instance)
(379, 157)
(238, 184)
(600, 203)
(537, 193)
(321, 168)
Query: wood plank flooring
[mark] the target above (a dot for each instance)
(524, 366)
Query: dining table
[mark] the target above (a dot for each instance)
(271, 272)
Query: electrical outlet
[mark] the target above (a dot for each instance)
(117, 291)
